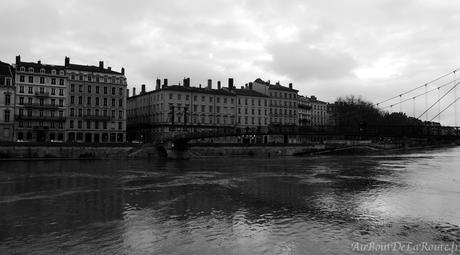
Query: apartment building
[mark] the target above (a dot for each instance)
(283, 102)
(41, 103)
(176, 108)
(97, 103)
(317, 113)
(6, 102)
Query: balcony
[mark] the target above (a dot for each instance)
(96, 117)
(40, 106)
(41, 94)
(39, 118)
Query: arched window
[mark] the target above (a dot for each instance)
(23, 69)
(61, 72)
(31, 69)
(53, 72)
(42, 70)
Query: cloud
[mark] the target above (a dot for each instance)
(303, 62)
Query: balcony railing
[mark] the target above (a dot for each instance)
(40, 106)
(35, 117)
(42, 94)
(96, 117)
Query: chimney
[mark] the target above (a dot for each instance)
(250, 85)
(158, 84)
(134, 91)
(66, 61)
(109, 68)
(123, 70)
(209, 84)
(39, 62)
(18, 59)
(165, 83)
(218, 84)
(290, 85)
(127, 93)
(101, 64)
(200, 85)
(188, 82)
(142, 89)
(268, 82)
(230, 83)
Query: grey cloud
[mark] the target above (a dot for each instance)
(301, 62)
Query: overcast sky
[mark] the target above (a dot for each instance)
(326, 48)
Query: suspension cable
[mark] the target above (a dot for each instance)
(439, 100)
(421, 94)
(445, 108)
(411, 90)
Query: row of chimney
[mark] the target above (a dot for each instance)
(186, 83)
(67, 63)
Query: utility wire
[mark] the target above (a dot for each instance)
(439, 100)
(440, 77)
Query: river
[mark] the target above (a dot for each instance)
(292, 205)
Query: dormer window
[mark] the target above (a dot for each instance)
(61, 72)
(31, 69)
(53, 72)
(42, 70)
(23, 69)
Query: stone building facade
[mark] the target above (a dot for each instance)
(97, 103)
(40, 101)
(6, 102)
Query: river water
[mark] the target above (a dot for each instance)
(292, 205)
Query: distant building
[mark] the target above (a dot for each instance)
(6, 102)
(283, 102)
(41, 101)
(175, 108)
(97, 103)
(314, 113)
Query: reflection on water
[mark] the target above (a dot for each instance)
(319, 205)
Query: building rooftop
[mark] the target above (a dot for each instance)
(274, 86)
(6, 69)
(94, 69)
(37, 66)
(248, 92)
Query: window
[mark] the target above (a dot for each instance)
(113, 113)
(53, 81)
(72, 87)
(120, 114)
(120, 125)
(61, 81)
(71, 124)
(21, 78)
(21, 89)
(120, 91)
(89, 77)
(97, 100)
(31, 69)
(97, 89)
(88, 124)
(23, 69)
(89, 88)
(80, 100)
(120, 102)
(61, 92)
(171, 96)
(105, 101)
(105, 90)
(79, 124)
(53, 101)
(53, 91)
(42, 80)
(88, 101)
(72, 112)
(7, 99)
(80, 88)
(21, 100)
(80, 112)
(113, 91)
(61, 102)
(7, 115)
(72, 100)
(30, 90)
(113, 101)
